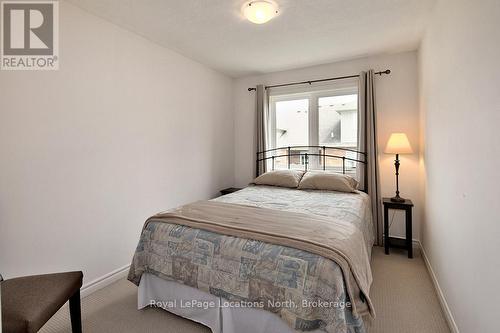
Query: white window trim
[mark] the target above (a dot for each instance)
(313, 94)
(313, 111)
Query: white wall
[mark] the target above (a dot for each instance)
(460, 100)
(397, 102)
(124, 129)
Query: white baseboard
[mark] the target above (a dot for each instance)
(103, 281)
(442, 300)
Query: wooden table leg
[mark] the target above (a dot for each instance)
(409, 240)
(386, 229)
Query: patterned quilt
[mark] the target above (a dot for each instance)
(306, 290)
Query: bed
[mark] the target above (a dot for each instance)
(261, 282)
(183, 272)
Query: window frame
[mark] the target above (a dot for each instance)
(313, 96)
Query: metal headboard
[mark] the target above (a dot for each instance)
(291, 151)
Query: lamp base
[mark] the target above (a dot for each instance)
(397, 198)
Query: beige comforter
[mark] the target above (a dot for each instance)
(333, 239)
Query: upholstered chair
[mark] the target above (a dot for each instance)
(28, 302)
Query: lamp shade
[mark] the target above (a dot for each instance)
(398, 144)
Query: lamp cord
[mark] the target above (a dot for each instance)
(392, 219)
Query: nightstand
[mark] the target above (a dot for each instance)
(229, 190)
(389, 242)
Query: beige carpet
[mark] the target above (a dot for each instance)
(403, 294)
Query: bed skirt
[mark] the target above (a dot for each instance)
(212, 311)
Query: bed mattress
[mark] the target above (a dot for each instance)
(350, 207)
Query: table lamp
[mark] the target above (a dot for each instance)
(398, 144)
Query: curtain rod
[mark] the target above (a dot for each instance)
(387, 71)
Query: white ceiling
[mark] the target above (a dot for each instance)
(306, 32)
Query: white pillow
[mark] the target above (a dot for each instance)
(324, 180)
(283, 178)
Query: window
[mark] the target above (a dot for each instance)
(292, 122)
(315, 118)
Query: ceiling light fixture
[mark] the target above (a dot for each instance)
(260, 12)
